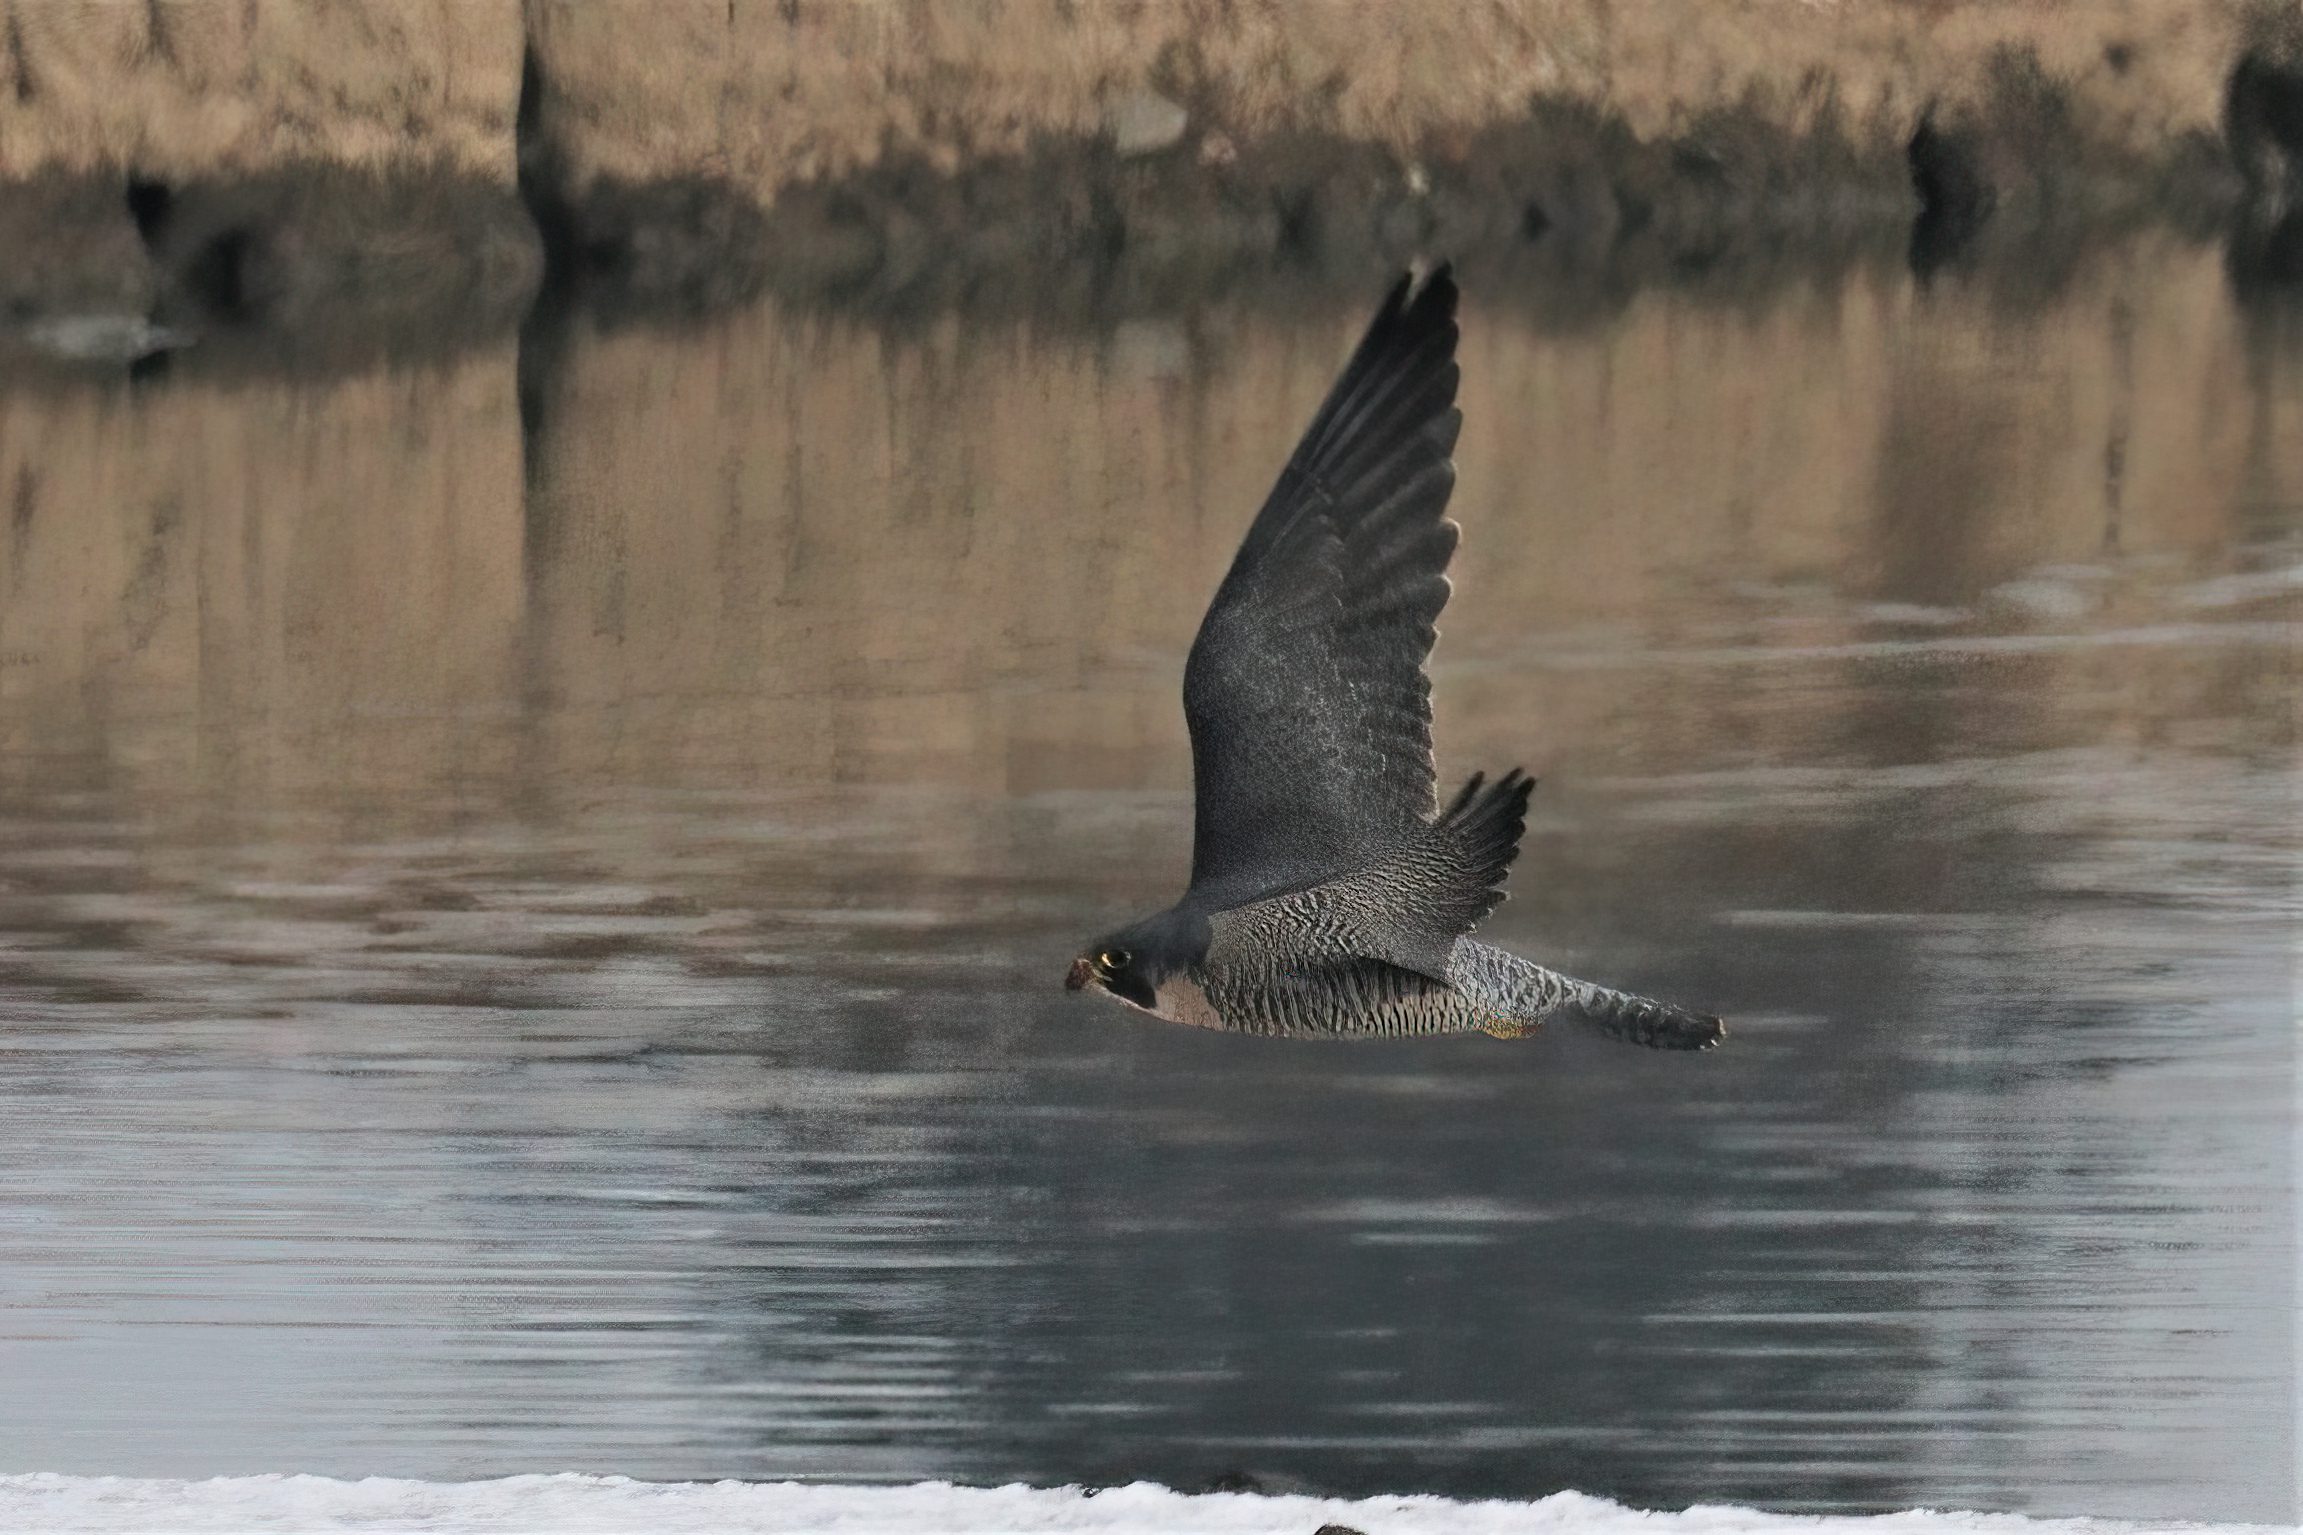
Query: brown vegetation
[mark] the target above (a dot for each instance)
(773, 96)
(183, 89)
(690, 150)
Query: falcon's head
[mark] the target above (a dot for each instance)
(1145, 965)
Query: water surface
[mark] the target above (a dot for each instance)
(533, 890)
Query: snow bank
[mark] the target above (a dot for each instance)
(585, 1505)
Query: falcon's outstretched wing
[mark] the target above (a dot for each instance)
(1309, 710)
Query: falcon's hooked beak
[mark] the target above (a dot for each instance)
(1081, 972)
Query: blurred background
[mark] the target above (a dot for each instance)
(591, 607)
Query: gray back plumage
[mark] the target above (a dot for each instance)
(1305, 693)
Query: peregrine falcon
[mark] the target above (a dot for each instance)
(1331, 894)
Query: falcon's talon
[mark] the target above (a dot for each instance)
(1331, 894)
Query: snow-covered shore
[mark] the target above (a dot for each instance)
(586, 1505)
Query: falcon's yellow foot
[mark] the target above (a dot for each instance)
(1509, 1028)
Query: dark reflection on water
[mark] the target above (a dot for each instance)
(529, 929)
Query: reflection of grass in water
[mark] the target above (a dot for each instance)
(779, 551)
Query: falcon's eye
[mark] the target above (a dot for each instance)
(1114, 959)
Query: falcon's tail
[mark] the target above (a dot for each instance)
(1643, 1020)
(1521, 996)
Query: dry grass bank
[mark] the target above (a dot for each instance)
(893, 136)
(314, 165)
(698, 148)
(214, 89)
(767, 95)
(772, 95)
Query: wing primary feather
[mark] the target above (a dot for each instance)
(1414, 330)
(1309, 710)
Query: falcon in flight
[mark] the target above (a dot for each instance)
(1331, 894)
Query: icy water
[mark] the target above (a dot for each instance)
(533, 891)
